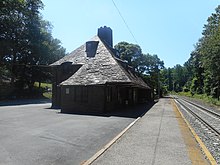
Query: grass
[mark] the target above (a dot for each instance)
(48, 95)
(203, 97)
(43, 85)
(46, 88)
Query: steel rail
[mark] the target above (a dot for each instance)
(203, 108)
(199, 118)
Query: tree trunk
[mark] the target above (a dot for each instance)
(39, 85)
(13, 68)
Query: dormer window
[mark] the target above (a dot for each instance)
(91, 48)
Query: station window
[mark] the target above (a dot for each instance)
(67, 91)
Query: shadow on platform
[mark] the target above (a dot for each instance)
(129, 112)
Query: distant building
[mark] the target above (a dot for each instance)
(93, 79)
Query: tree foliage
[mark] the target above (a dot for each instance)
(201, 73)
(26, 40)
(207, 57)
(147, 65)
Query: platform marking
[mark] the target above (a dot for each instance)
(202, 145)
(100, 152)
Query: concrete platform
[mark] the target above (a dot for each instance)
(159, 137)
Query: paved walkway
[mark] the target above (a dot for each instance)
(157, 138)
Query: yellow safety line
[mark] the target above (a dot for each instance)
(202, 145)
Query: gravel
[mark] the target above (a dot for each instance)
(211, 141)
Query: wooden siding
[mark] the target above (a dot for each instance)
(82, 99)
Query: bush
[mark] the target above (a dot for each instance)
(203, 97)
(185, 89)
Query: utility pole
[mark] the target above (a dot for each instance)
(158, 81)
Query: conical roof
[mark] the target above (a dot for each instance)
(103, 68)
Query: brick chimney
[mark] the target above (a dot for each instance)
(105, 34)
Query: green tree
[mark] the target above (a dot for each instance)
(167, 79)
(196, 70)
(210, 53)
(12, 30)
(26, 41)
(203, 67)
(132, 53)
(180, 77)
(147, 65)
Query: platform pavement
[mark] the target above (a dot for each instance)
(157, 138)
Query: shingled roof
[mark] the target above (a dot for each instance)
(78, 56)
(103, 68)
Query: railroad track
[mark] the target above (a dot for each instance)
(203, 108)
(205, 122)
(209, 119)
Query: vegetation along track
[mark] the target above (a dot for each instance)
(205, 122)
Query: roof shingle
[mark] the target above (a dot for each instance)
(102, 69)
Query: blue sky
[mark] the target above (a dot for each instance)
(168, 28)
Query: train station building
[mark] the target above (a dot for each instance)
(94, 79)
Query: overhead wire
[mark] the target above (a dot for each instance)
(124, 21)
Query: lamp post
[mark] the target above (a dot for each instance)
(158, 83)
